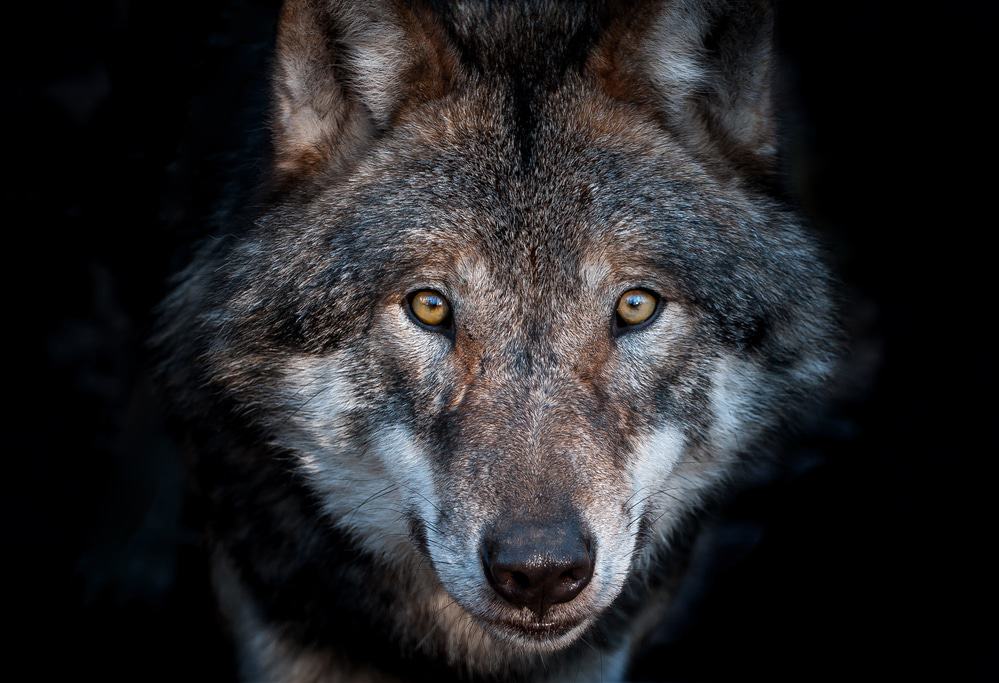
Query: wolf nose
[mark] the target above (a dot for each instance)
(537, 565)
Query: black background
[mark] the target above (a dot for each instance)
(867, 557)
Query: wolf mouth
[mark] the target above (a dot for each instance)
(546, 631)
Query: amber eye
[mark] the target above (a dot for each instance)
(635, 307)
(430, 308)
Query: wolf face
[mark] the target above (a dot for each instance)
(518, 302)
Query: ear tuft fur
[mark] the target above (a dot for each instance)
(706, 68)
(346, 70)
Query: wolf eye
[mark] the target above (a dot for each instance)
(635, 308)
(430, 308)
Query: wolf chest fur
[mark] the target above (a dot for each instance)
(517, 301)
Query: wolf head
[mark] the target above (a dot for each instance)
(520, 300)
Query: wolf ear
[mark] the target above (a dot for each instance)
(707, 67)
(344, 71)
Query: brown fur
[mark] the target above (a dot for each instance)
(531, 162)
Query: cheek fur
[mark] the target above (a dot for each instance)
(369, 477)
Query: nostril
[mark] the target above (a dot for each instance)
(570, 575)
(522, 580)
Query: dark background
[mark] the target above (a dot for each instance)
(866, 557)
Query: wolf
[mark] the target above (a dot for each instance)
(517, 301)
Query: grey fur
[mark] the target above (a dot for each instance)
(531, 161)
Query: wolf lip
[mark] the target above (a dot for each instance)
(537, 630)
